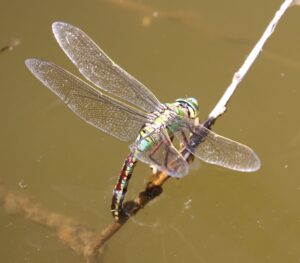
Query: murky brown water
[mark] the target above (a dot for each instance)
(189, 49)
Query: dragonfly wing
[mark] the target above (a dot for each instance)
(88, 103)
(98, 68)
(163, 155)
(218, 150)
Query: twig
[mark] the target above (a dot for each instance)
(220, 108)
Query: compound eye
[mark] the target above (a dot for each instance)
(193, 107)
(191, 112)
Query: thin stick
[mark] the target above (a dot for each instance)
(220, 108)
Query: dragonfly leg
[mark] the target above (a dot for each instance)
(185, 139)
(192, 132)
(157, 146)
(121, 186)
(167, 152)
(166, 161)
(168, 164)
(166, 158)
(155, 149)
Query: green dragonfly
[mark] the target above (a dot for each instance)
(150, 125)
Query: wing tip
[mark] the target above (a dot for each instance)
(31, 63)
(60, 28)
(57, 25)
(254, 165)
(254, 162)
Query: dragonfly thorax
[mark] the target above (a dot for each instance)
(169, 117)
(167, 113)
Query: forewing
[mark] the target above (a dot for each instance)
(218, 150)
(98, 68)
(89, 103)
(163, 155)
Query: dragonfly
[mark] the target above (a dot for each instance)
(115, 102)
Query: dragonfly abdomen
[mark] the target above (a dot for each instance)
(121, 186)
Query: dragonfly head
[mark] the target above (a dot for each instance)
(191, 105)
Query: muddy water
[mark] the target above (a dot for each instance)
(179, 49)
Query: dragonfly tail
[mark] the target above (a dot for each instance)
(121, 186)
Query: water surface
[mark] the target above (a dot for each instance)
(186, 49)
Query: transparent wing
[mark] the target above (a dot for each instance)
(218, 150)
(163, 155)
(98, 68)
(89, 103)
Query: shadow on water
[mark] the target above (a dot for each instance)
(83, 240)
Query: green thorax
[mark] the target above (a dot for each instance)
(171, 118)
